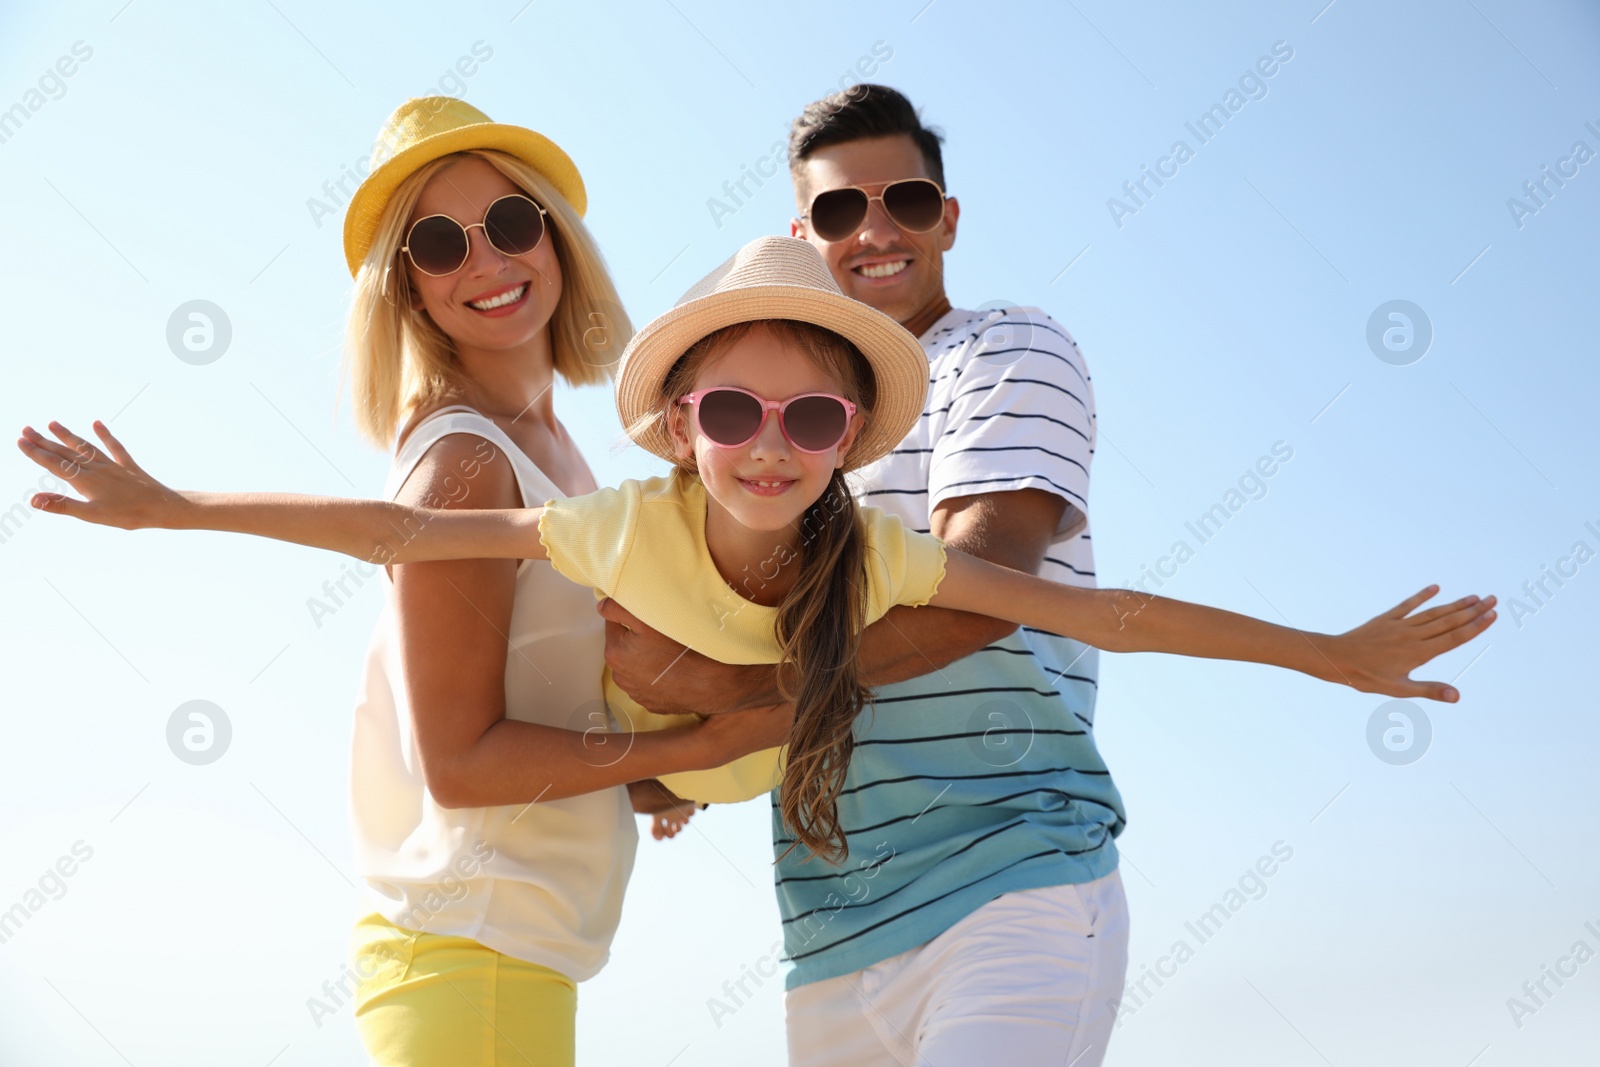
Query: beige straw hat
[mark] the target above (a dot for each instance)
(777, 278)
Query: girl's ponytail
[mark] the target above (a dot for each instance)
(819, 630)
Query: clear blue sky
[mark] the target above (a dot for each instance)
(1227, 313)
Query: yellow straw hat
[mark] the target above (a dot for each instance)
(776, 278)
(427, 127)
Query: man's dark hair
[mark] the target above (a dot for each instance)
(856, 114)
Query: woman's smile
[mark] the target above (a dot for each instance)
(502, 301)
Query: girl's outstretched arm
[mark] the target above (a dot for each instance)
(117, 492)
(1375, 657)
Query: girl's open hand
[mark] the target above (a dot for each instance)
(1379, 655)
(116, 490)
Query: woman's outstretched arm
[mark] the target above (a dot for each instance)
(117, 492)
(1375, 657)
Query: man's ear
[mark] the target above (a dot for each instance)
(796, 227)
(952, 214)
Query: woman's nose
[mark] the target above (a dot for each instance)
(482, 257)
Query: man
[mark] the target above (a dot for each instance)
(980, 915)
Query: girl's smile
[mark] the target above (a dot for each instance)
(767, 486)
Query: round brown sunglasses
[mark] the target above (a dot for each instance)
(438, 245)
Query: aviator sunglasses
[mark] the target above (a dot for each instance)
(914, 204)
(437, 244)
(730, 417)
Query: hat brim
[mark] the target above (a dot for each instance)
(538, 151)
(899, 365)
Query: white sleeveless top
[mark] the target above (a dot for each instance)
(542, 882)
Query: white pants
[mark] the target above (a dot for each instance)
(1028, 980)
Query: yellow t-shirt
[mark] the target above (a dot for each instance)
(644, 545)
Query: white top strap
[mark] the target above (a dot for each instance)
(534, 485)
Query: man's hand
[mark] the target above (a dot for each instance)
(669, 679)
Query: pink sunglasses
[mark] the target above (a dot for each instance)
(730, 417)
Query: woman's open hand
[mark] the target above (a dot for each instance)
(738, 733)
(1379, 655)
(116, 490)
(668, 812)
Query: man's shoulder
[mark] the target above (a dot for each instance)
(1002, 342)
(970, 333)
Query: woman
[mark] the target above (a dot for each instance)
(487, 798)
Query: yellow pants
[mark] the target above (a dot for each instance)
(424, 1000)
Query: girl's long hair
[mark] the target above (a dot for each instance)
(397, 360)
(821, 617)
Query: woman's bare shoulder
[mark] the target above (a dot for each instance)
(421, 412)
(459, 470)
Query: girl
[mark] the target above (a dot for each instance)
(763, 386)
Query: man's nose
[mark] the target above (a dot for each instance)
(877, 229)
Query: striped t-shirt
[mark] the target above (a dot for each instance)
(982, 777)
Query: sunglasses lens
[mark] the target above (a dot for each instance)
(514, 225)
(729, 418)
(916, 204)
(437, 245)
(837, 214)
(815, 423)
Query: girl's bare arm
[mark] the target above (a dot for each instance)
(117, 492)
(1375, 657)
(472, 755)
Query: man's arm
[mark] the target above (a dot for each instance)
(1013, 529)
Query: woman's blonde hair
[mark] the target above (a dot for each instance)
(822, 615)
(397, 359)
